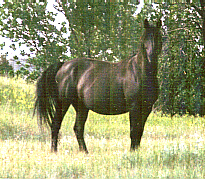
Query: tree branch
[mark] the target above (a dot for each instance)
(202, 4)
(63, 10)
(200, 27)
(199, 10)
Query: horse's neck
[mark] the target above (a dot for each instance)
(141, 63)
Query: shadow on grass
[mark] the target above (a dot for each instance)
(10, 131)
(7, 131)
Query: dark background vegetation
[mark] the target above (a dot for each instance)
(109, 31)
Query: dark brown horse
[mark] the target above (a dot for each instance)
(106, 88)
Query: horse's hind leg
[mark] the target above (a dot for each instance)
(81, 116)
(56, 124)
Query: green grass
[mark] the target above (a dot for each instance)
(170, 147)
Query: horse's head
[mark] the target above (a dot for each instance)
(152, 40)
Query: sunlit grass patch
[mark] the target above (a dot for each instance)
(17, 92)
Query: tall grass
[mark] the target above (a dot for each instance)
(170, 147)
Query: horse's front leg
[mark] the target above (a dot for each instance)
(137, 123)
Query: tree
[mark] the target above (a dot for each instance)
(101, 30)
(95, 32)
(108, 31)
(5, 68)
(201, 11)
(181, 67)
(31, 24)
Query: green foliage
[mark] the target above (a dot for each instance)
(181, 65)
(103, 30)
(31, 25)
(109, 31)
(5, 67)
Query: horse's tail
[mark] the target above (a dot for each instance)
(47, 95)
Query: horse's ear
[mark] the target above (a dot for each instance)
(146, 23)
(159, 24)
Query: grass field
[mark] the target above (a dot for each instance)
(170, 147)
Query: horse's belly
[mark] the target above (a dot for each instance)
(107, 108)
(105, 102)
